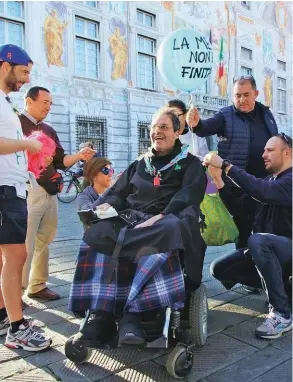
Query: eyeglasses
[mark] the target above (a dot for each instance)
(179, 115)
(163, 127)
(287, 139)
(107, 170)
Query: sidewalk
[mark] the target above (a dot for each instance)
(232, 352)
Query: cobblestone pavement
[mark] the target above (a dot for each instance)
(232, 352)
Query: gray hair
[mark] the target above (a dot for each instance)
(170, 112)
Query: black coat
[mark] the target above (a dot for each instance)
(178, 197)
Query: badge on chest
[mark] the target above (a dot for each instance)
(157, 181)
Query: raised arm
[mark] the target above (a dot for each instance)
(278, 192)
(206, 127)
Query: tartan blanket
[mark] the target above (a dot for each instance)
(154, 282)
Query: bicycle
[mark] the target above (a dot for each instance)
(71, 187)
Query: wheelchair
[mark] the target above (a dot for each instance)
(182, 330)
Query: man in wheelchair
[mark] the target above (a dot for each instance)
(129, 263)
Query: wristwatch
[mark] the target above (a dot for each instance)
(225, 164)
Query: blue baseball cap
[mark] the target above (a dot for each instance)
(14, 55)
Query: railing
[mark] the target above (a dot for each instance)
(209, 101)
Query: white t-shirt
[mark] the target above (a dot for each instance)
(13, 167)
(197, 145)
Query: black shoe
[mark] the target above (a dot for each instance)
(130, 331)
(99, 328)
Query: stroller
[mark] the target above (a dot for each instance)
(181, 329)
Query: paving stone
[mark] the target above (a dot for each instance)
(8, 354)
(218, 352)
(214, 288)
(60, 278)
(35, 305)
(251, 367)
(63, 290)
(62, 331)
(281, 373)
(255, 302)
(15, 366)
(47, 357)
(223, 298)
(144, 372)
(102, 363)
(62, 267)
(62, 259)
(206, 275)
(228, 315)
(36, 375)
(53, 316)
(284, 343)
(245, 332)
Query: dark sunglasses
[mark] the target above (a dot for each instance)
(107, 170)
(287, 139)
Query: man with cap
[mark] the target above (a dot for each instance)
(15, 68)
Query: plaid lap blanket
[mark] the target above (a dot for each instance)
(156, 281)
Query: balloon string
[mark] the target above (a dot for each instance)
(190, 106)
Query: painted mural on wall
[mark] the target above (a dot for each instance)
(54, 28)
(118, 7)
(118, 49)
(267, 47)
(281, 15)
(268, 86)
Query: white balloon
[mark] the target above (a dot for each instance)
(185, 59)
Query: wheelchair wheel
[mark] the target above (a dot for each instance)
(179, 362)
(77, 353)
(198, 316)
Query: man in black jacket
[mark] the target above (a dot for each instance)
(270, 247)
(243, 130)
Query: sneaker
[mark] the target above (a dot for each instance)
(274, 326)
(27, 338)
(5, 324)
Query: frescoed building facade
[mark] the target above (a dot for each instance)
(99, 61)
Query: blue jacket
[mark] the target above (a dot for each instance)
(234, 132)
(269, 200)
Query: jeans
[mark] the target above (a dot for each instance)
(269, 258)
(237, 267)
(271, 255)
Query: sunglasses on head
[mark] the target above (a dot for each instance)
(239, 78)
(107, 170)
(287, 139)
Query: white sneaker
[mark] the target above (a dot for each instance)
(27, 338)
(274, 326)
